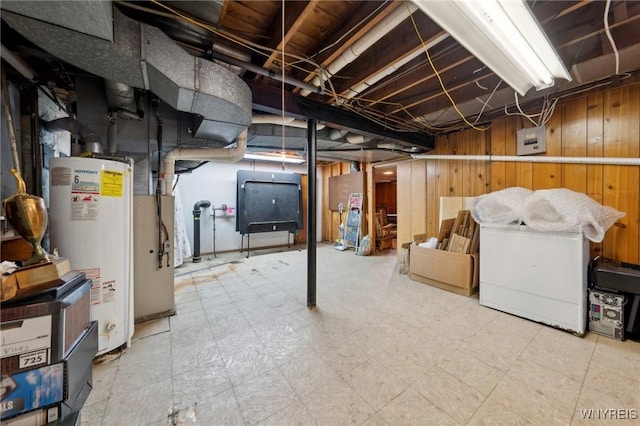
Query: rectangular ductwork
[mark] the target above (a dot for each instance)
(141, 56)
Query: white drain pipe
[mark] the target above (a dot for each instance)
(369, 39)
(202, 154)
(614, 161)
(279, 120)
(356, 90)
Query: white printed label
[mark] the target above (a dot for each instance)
(52, 414)
(34, 358)
(25, 336)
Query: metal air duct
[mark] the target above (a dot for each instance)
(140, 56)
(92, 142)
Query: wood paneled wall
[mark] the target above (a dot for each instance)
(605, 124)
(386, 196)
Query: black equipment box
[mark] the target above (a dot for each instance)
(619, 276)
(614, 281)
(607, 314)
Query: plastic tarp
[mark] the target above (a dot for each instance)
(181, 246)
(501, 207)
(547, 210)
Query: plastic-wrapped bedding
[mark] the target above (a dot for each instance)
(501, 207)
(565, 210)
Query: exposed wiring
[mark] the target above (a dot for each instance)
(175, 184)
(376, 116)
(487, 101)
(480, 85)
(257, 48)
(379, 117)
(613, 43)
(545, 114)
(522, 114)
(444, 89)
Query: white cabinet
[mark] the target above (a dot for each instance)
(541, 276)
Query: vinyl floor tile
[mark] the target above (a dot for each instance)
(411, 408)
(337, 403)
(379, 349)
(375, 383)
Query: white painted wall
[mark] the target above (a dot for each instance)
(216, 182)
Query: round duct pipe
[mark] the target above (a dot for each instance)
(357, 139)
(196, 227)
(335, 134)
(120, 96)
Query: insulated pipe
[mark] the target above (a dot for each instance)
(369, 39)
(267, 73)
(196, 227)
(356, 90)
(282, 121)
(358, 139)
(615, 161)
(335, 134)
(204, 154)
(20, 65)
(272, 119)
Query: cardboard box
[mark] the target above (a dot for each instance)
(455, 272)
(38, 417)
(41, 330)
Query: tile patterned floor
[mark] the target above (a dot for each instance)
(380, 349)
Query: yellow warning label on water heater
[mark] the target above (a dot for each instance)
(111, 183)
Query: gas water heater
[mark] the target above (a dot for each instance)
(90, 218)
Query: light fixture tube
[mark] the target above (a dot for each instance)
(278, 158)
(504, 35)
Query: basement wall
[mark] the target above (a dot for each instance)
(603, 124)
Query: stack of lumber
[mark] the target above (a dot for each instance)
(460, 234)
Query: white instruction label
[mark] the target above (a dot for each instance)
(35, 358)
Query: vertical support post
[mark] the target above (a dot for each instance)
(312, 147)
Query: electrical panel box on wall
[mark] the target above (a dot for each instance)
(531, 141)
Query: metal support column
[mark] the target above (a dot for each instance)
(312, 147)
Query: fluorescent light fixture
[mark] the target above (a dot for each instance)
(504, 35)
(388, 172)
(276, 157)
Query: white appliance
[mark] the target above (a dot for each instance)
(90, 220)
(153, 277)
(541, 276)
